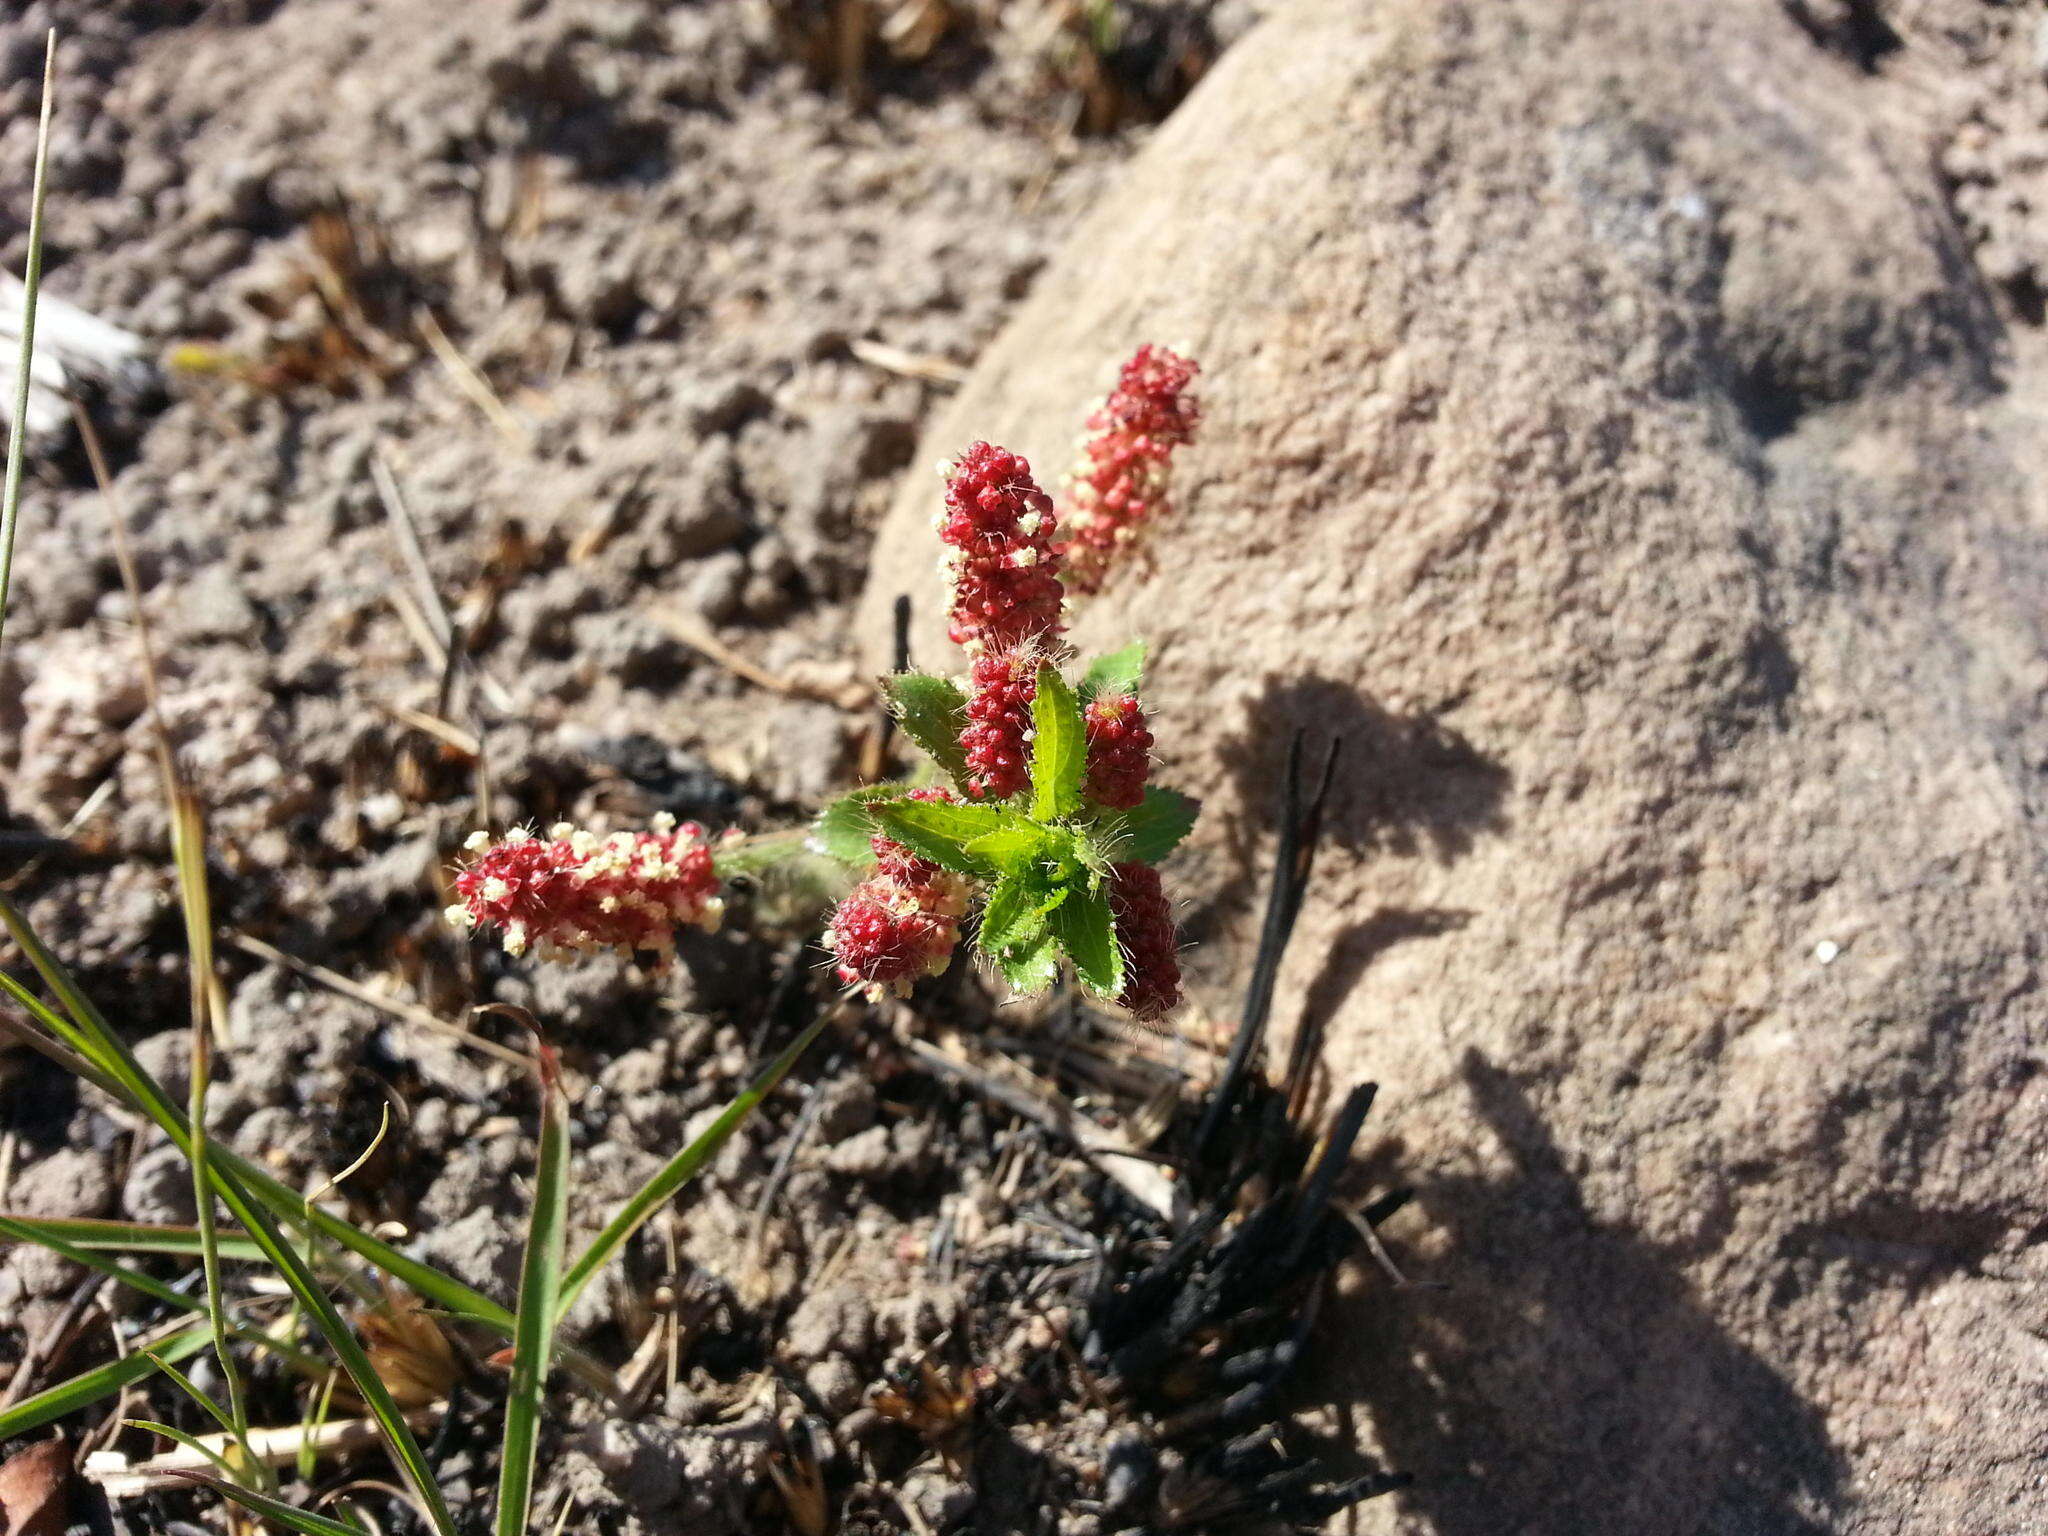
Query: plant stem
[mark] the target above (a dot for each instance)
(32, 280)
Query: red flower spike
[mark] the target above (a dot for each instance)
(997, 741)
(1119, 751)
(1120, 484)
(1004, 565)
(902, 921)
(574, 891)
(1144, 927)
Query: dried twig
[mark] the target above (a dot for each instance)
(429, 594)
(446, 732)
(122, 1478)
(849, 694)
(1004, 1082)
(470, 380)
(911, 365)
(49, 1347)
(410, 1013)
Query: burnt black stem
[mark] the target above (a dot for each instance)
(901, 661)
(1301, 825)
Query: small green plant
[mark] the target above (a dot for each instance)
(1045, 816)
(1040, 814)
(1044, 819)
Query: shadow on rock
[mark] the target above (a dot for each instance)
(1404, 782)
(1554, 1376)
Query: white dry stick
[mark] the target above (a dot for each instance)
(71, 347)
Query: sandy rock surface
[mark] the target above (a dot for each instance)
(1624, 429)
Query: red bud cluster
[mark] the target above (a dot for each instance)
(1121, 482)
(576, 891)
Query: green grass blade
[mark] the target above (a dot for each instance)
(190, 1388)
(288, 1515)
(317, 1408)
(443, 1290)
(188, 847)
(49, 1235)
(62, 1055)
(101, 1382)
(681, 1168)
(31, 287)
(102, 1059)
(192, 1442)
(540, 1284)
(94, 1236)
(59, 1237)
(90, 1034)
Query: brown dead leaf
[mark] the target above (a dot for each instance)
(408, 1350)
(35, 1490)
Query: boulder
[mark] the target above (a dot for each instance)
(1611, 437)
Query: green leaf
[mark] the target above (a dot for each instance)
(101, 1382)
(87, 1031)
(1032, 970)
(940, 832)
(1087, 932)
(932, 712)
(1059, 748)
(92, 1235)
(289, 1515)
(680, 1169)
(1012, 850)
(540, 1284)
(1015, 917)
(443, 1289)
(190, 1388)
(1151, 831)
(1121, 671)
(844, 827)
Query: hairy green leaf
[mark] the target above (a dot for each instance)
(940, 832)
(1151, 831)
(932, 712)
(1016, 914)
(1059, 748)
(844, 827)
(751, 855)
(1087, 932)
(1015, 849)
(1121, 671)
(1033, 969)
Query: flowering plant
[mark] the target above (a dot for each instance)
(1042, 812)
(1045, 814)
